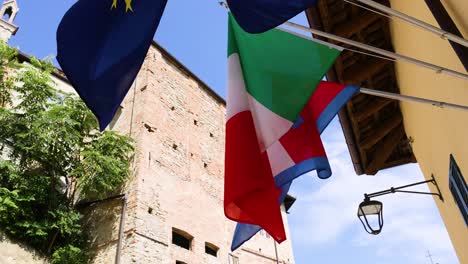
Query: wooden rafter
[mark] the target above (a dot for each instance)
(373, 127)
(356, 25)
(372, 108)
(385, 149)
(365, 70)
(381, 131)
(402, 160)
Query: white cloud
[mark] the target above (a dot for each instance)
(324, 215)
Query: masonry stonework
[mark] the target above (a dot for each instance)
(177, 123)
(12, 252)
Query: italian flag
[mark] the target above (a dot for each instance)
(277, 107)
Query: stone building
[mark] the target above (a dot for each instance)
(175, 198)
(8, 13)
(172, 211)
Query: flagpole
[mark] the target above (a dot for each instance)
(412, 99)
(396, 56)
(416, 22)
(379, 51)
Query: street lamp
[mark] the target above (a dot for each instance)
(370, 212)
(374, 211)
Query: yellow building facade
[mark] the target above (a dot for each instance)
(436, 133)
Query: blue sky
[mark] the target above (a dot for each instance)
(323, 222)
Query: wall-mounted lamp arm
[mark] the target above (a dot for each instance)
(437, 194)
(398, 189)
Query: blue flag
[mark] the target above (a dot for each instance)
(257, 16)
(101, 46)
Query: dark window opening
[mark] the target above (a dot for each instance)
(195, 122)
(181, 238)
(211, 135)
(174, 146)
(173, 108)
(8, 13)
(149, 128)
(150, 210)
(211, 249)
(180, 262)
(205, 165)
(458, 188)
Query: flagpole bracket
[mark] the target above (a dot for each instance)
(223, 4)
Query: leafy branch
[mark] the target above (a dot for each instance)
(54, 156)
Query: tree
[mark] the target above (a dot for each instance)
(54, 156)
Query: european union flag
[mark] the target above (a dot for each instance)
(257, 16)
(101, 46)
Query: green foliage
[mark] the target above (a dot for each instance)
(68, 255)
(8, 59)
(55, 155)
(104, 164)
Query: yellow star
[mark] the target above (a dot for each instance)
(128, 5)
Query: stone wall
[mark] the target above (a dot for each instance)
(14, 253)
(177, 182)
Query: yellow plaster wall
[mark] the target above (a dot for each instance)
(436, 132)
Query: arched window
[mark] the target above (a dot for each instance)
(211, 249)
(7, 14)
(181, 239)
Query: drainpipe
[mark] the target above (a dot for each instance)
(121, 229)
(276, 252)
(122, 219)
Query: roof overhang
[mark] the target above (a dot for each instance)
(373, 126)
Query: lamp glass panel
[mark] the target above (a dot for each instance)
(369, 209)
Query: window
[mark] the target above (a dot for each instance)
(8, 13)
(180, 262)
(211, 249)
(458, 188)
(181, 239)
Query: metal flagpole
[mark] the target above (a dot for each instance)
(406, 98)
(378, 93)
(379, 51)
(442, 33)
(389, 54)
(394, 96)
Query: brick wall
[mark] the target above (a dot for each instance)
(177, 182)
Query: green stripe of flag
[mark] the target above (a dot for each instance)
(281, 70)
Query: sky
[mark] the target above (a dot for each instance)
(323, 223)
